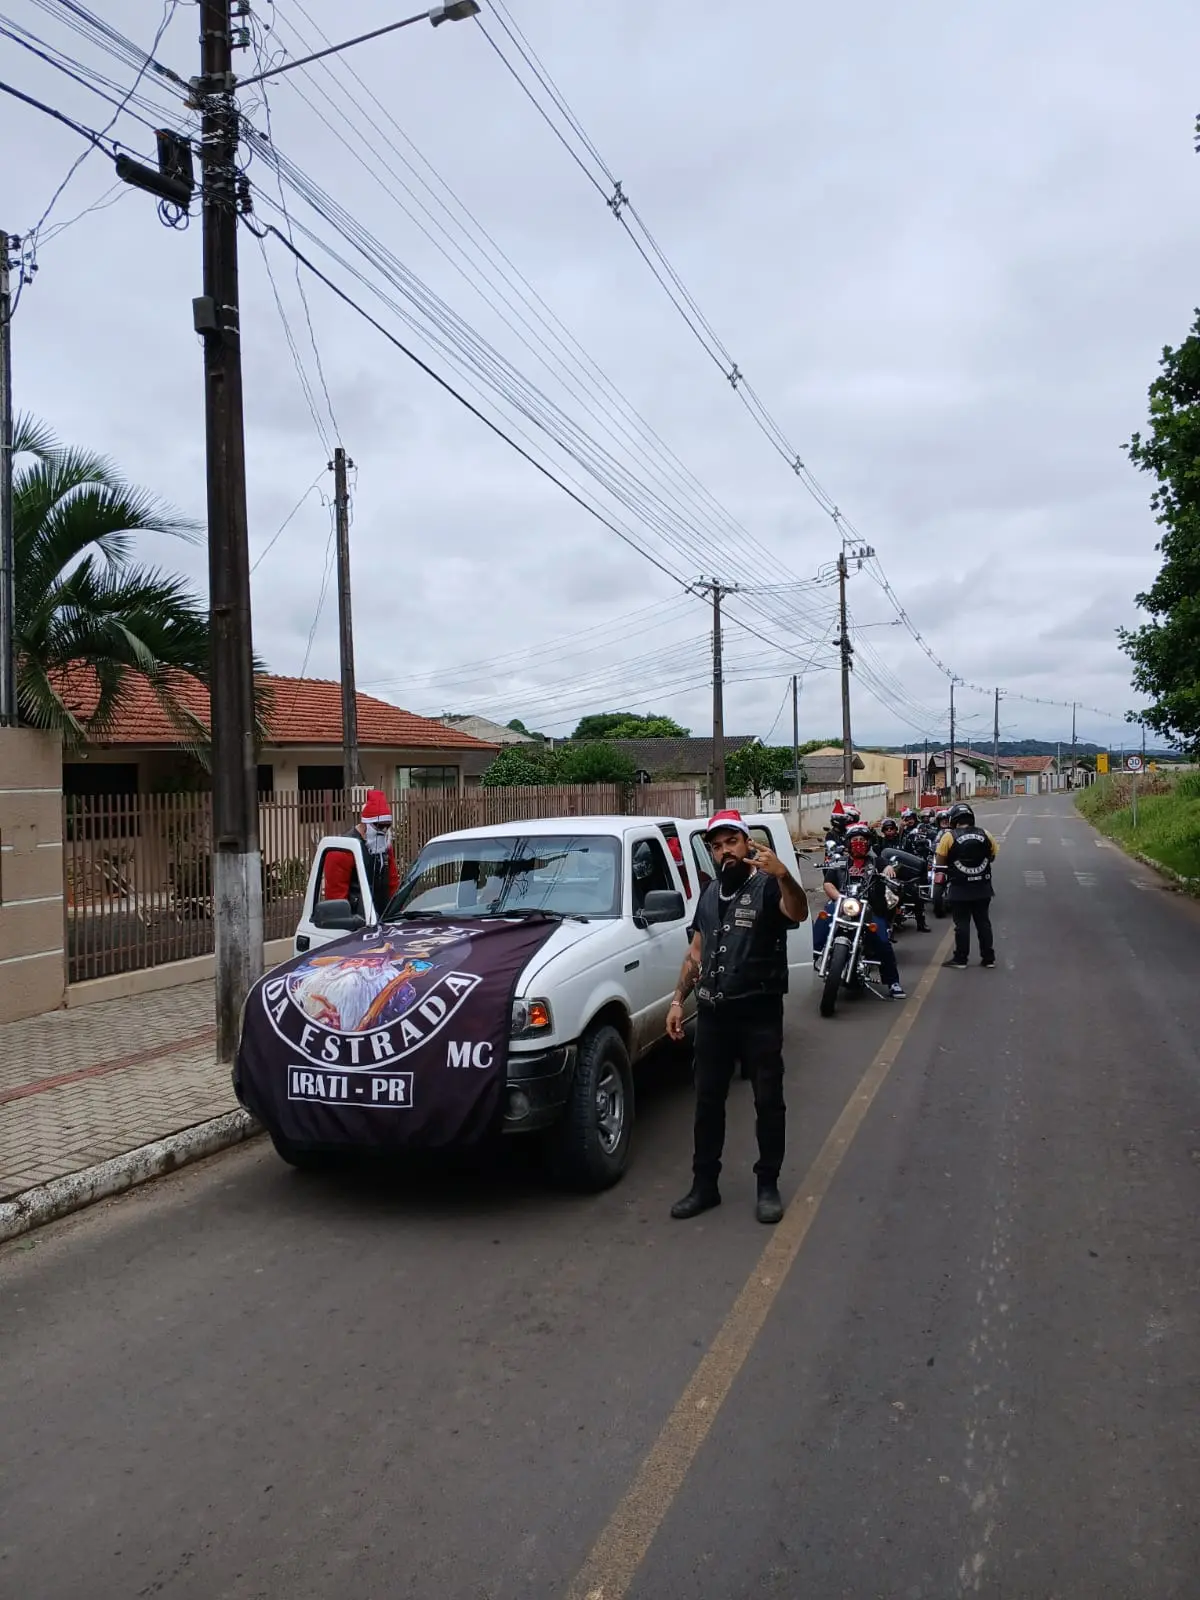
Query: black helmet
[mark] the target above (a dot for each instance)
(961, 815)
(643, 861)
(889, 825)
(908, 815)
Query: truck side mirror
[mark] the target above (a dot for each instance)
(336, 914)
(660, 905)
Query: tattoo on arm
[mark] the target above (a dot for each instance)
(688, 975)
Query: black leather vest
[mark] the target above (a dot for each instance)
(378, 878)
(742, 956)
(969, 865)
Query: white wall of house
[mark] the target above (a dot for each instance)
(380, 767)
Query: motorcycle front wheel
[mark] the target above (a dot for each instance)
(838, 957)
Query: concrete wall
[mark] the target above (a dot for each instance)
(32, 962)
(148, 980)
(159, 769)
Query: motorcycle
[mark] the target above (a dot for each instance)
(907, 869)
(844, 962)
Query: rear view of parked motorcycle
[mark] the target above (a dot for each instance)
(908, 870)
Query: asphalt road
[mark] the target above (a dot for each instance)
(975, 1373)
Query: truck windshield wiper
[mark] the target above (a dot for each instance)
(540, 911)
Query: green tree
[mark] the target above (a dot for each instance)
(517, 766)
(592, 763)
(86, 615)
(627, 725)
(758, 769)
(1166, 650)
(518, 726)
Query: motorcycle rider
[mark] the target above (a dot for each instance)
(890, 839)
(967, 853)
(861, 877)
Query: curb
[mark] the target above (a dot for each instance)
(58, 1198)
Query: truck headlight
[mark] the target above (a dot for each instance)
(530, 1018)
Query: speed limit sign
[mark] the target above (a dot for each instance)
(1133, 763)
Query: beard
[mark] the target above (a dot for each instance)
(378, 840)
(732, 874)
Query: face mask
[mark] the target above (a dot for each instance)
(378, 839)
(733, 874)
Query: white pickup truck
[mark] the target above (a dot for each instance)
(593, 999)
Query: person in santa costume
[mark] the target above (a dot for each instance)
(383, 875)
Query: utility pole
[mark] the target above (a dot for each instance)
(1074, 763)
(996, 743)
(847, 654)
(8, 685)
(237, 863)
(796, 746)
(720, 794)
(351, 765)
(952, 763)
(924, 765)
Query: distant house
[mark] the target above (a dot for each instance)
(823, 770)
(870, 766)
(487, 730)
(143, 751)
(677, 760)
(489, 733)
(1031, 774)
(966, 773)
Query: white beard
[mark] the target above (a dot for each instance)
(377, 842)
(341, 996)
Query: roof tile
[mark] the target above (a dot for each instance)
(304, 711)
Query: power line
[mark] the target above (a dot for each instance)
(169, 9)
(623, 209)
(464, 402)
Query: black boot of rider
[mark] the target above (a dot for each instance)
(770, 1206)
(700, 1197)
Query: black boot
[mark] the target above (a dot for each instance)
(700, 1197)
(770, 1206)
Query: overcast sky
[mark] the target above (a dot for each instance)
(946, 244)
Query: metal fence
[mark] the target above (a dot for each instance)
(138, 868)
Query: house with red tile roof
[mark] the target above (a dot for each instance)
(143, 751)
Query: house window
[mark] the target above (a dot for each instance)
(266, 778)
(101, 799)
(100, 777)
(426, 778)
(310, 780)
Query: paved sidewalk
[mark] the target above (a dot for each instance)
(77, 1087)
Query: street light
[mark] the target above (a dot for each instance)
(452, 11)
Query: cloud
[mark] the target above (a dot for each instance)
(947, 247)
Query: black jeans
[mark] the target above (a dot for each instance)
(964, 911)
(749, 1031)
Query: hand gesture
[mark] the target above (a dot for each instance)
(675, 1028)
(766, 860)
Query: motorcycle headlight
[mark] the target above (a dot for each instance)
(530, 1018)
(851, 908)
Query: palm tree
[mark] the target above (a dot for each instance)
(87, 616)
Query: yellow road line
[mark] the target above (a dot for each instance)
(621, 1548)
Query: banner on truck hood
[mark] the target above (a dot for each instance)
(395, 1038)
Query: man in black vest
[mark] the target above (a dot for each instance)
(967, 853)
(737, 963)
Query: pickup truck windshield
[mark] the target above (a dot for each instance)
(568, 874)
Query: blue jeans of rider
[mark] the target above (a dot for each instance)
(878, 945)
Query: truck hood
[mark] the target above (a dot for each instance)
(565, 937)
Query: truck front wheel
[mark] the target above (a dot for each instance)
(588, 1147)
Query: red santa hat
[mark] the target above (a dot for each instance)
(726, 819)
(838, 808)
(375, 807)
